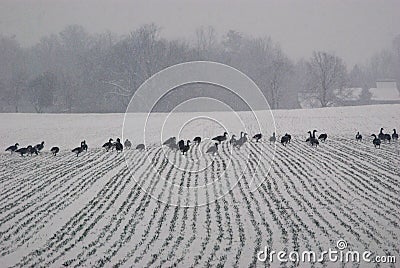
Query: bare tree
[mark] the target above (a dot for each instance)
(279, 73)
(135, 60)
(206, 41)
(12, 71)
(326, 73)
(41, 91)
(18, 85)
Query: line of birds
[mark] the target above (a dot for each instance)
(285, 139)
(377, 141)
(184, 147)
(213, 149)
(26, 150)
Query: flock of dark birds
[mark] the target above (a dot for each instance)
(184, 147)
(381, 137)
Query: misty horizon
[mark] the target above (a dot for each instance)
(353, 30)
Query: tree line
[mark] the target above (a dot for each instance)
(75, 71)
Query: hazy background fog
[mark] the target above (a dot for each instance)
(351, 29)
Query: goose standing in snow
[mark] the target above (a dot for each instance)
(395, 136)
(242, 140)
(387, 137)
(181, 144)
(118, 145)
(39, 146)
(220, 138)
(233, 140)
(197, 140)
(313, 140)
(376, 141)
(78, 150)
(284, 140)
(140, 147)
(12, 148)
(108, 145)
(272, 139)
(127, 144)
(358, 136)
(381, 135)
(289, 137)
(84, 145)
(309, 138)
(54, 150)
(186, 147)
(323, 137)
(213, 149)
(257, 137)
(32, 150)
(170, 141)
(24, 150)
(173, 146)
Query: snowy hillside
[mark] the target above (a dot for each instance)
(67, 130)
(159, 208)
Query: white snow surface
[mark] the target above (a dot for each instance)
(108, 209)
(68, 130)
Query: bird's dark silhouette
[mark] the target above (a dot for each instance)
(284, 140)
(84, 145)
(32, 150)
(323, 137)
(197, 140)
(387, 137)
(181, 144)
(128, 144)
(272, 139)
(173, 146)
(221, 138)
(78, 150)
(39, 146)
(358, 136)
(12, 148)
(140, 147)
(233, 140)
(289, 137)
(376, 141)
(395, 136)
(171, 140)
(243, 139)
(186, 147)
(213, 149)
(118, 145)
(309, 138)
(314, 140)
(257, 137)
(24, 150)
(108, 145)
(54, 150)
(381, 135)
(171, 143)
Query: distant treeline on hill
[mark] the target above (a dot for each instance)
(76, 72)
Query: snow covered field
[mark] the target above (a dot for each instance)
(103, 209)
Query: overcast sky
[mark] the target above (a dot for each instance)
(353, 29)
